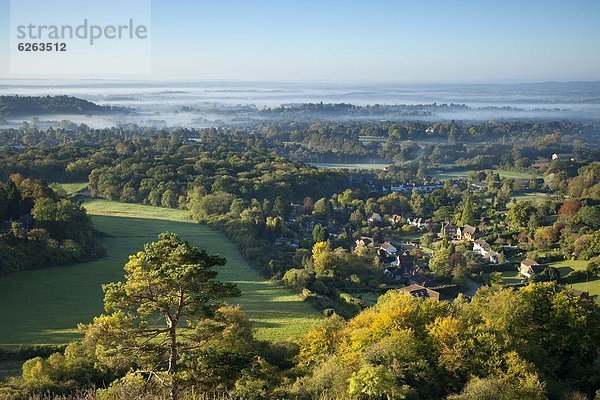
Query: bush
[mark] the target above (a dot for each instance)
(297, 279)
(320, 288)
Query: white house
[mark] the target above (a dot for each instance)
(529, 267)
(485, 250)
(388, 248)
(418, 222)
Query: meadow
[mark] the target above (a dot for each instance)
(592, 286)
(564, 267)
(352, 166)
(45, 306)
(455, 174)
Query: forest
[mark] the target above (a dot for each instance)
(14, 106)
(39, 228)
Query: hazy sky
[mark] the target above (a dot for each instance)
(369, 40)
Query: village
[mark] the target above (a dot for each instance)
(413, 249)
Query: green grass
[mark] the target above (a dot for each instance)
(71, 188)
(511, 277)
(515, 174)
(592, 286)
(351, 166)
(45, 306)
(564, 267)
(441, 174)
(536, 197)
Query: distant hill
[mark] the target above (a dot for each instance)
(32, 105)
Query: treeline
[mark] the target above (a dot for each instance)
(503, 344)
(514, 145)
(539, 342)
(477, 145)
(11, 106)
(39, 229)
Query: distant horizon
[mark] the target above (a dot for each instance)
(316, 81)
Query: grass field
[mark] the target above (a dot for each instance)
(352, 166)
(45, 306)
(566, 266)
(441, 174)
(533, 197)
(71, 188)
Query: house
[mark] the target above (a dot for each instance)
(501, 241)
(375, 218)
(493, 257)
(420, 292)
(529, 267)
(396, 220)
(387, 249)
(563, 156)
(448, 229)
(418, 222)
(283, 241)
(422, 280)
(393, 273)
(485, 250)
(467, 232)
(406, 263)
(578, 293)
(364, 241)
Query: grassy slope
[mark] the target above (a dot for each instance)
(44, 306)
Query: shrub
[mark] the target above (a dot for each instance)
(297, 279)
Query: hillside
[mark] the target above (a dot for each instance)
(45, 306)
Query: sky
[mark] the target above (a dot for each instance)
(366, 41)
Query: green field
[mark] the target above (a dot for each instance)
(44, 306)
(352, 166)
(442, 174)
(71, 188)
(566, 266)
(536, 197)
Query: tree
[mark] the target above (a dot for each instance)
(568, 209)
(308, 205)
(318, 344)
(440, 261)
(168, 283)
(520, 214)
(590, 216)
(320, 233)
(375, 382)
(347, 197)
(296, 278)
(322, 209)
(503, 196)
(417, 203)
(467, 214)
(279, 207)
